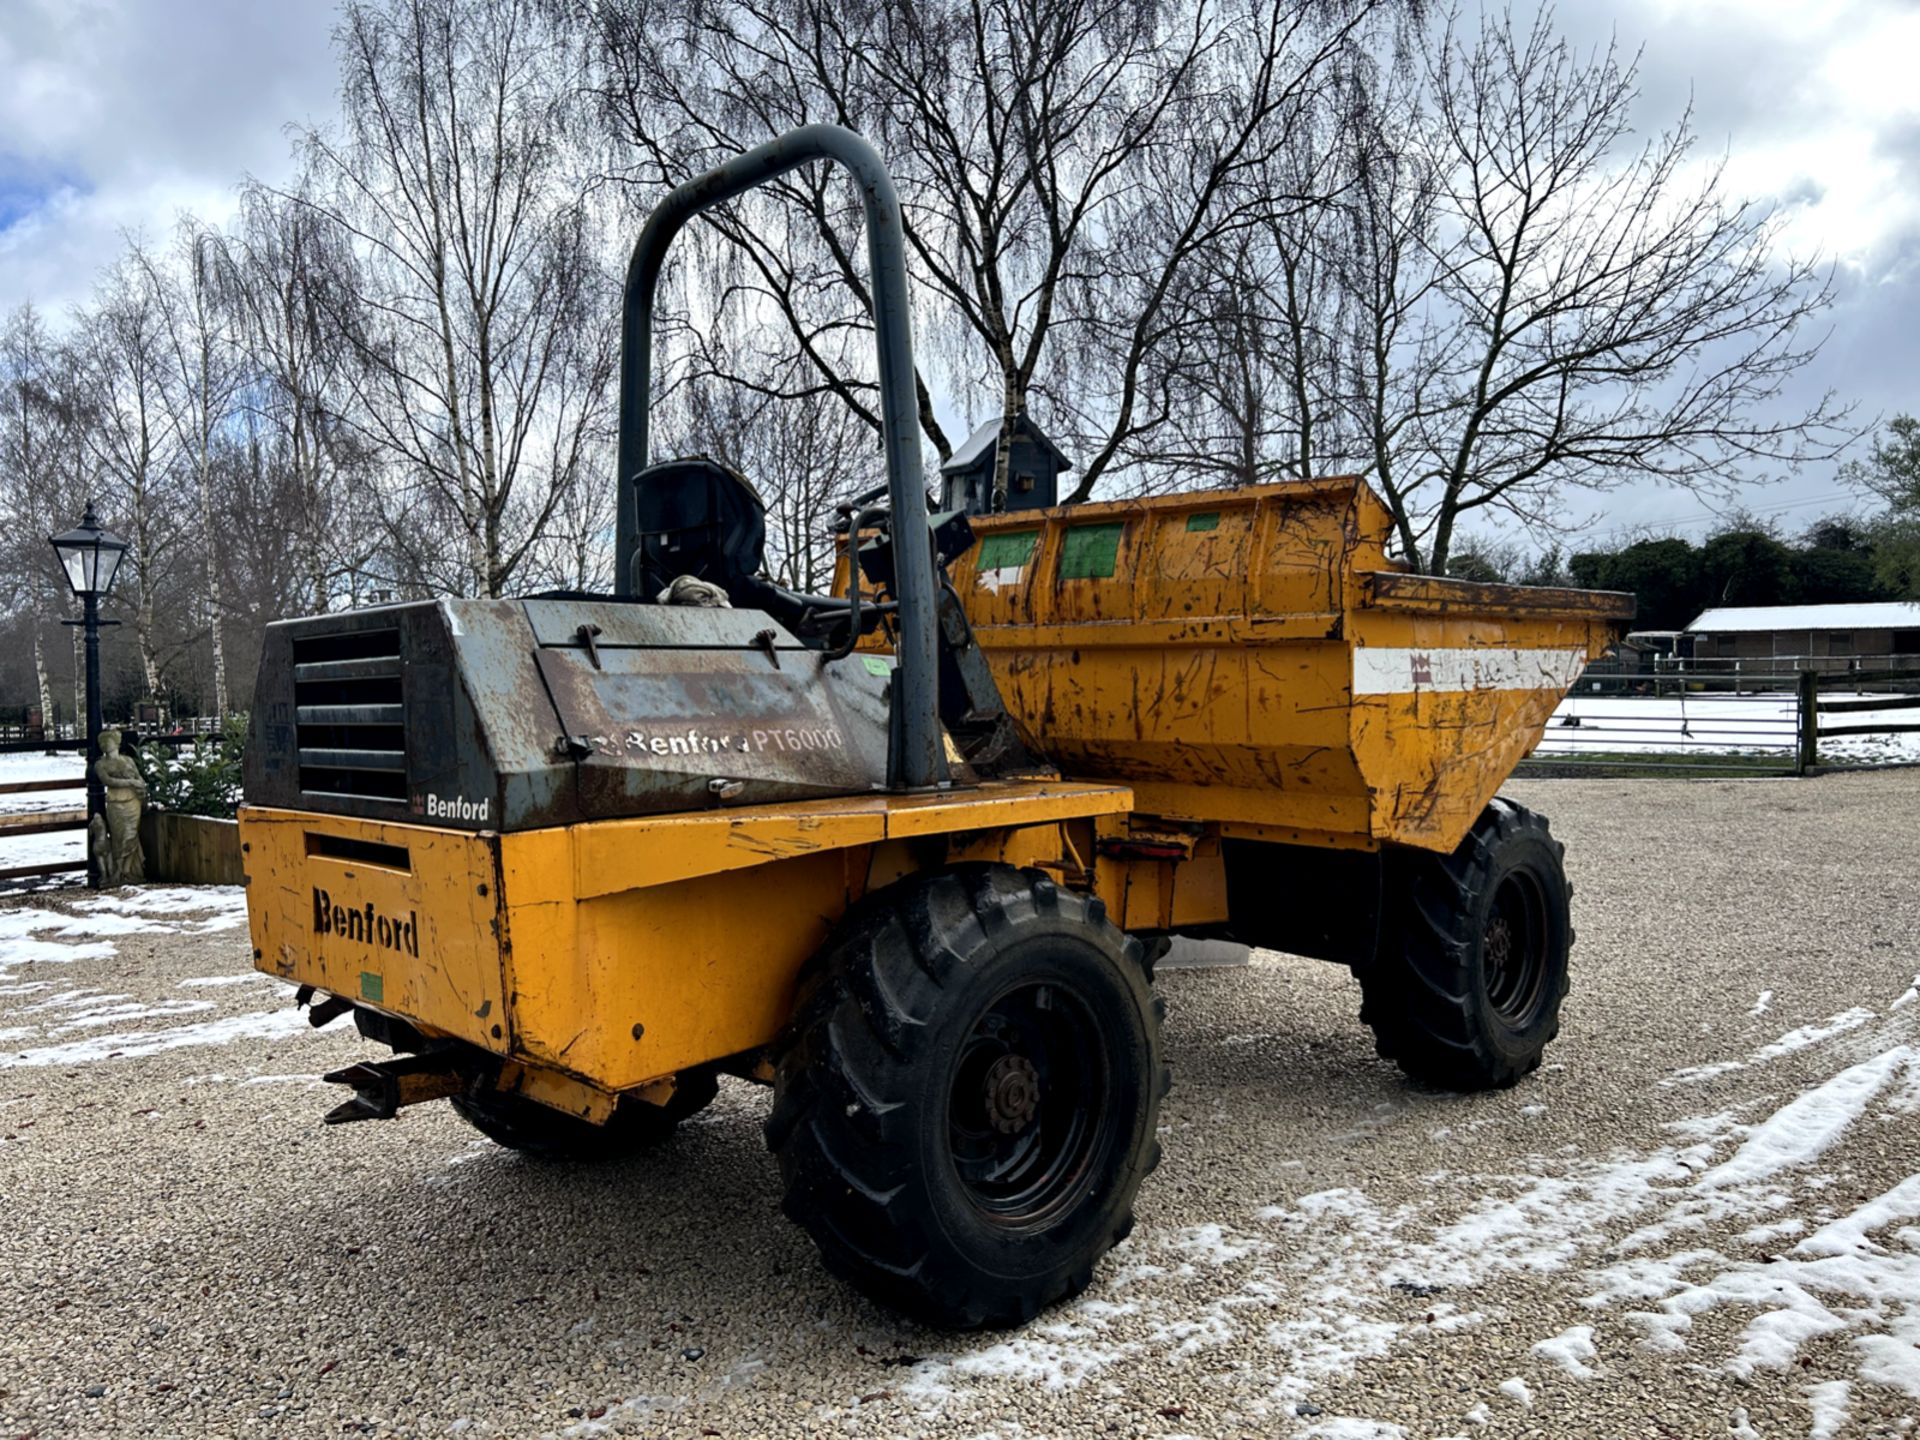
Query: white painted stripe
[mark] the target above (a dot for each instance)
(1390, 670)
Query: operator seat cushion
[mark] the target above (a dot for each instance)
(701, 518)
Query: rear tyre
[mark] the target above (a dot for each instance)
(965, 1104)
(548, 1134)
(1466, 988)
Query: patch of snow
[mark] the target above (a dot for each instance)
(1829, 1403)
(1813, 1034)
(228, 901)
(1571, 1350)
(1761, 1006)
(130, 1044)
(1478, 1415)
(1801, 1131)
(212, 980)
(1211, 1245)
(121, 1014)
(1515, 1389)
(1759, 724)
(1025, 1361)
(1786, 1045)
(1344, 1428)
(1849, 1233)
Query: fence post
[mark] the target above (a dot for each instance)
(1808, 754)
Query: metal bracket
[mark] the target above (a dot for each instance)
(586, 635)
(764, 641)
(382, 1088)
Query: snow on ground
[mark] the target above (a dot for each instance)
(1727, 1230)
(69, 1025)
(1717, 724)
(43, 849)
(1343, 1265)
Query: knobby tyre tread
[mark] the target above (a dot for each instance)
(1433, 995)
(865, 1077)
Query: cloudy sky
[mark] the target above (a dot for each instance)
(118, 115)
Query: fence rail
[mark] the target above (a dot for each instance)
(19, 824)
(1730, 722)
(42, 822)
(67, 732)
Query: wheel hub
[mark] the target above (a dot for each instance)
(1499, 944)
(1013, 1094)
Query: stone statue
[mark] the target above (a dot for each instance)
(116, 844)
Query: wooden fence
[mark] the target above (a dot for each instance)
(48, 822)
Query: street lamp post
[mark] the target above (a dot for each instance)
(90, 556)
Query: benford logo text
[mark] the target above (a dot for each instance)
(458, 808)
(366, 925)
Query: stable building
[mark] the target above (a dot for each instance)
(1034, 467)
(1865, 636)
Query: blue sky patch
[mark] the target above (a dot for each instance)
(26, 188)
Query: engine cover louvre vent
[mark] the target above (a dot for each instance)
(351, 715)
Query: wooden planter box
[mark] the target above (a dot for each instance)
(190, 849)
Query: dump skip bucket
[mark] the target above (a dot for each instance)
(1251, 656)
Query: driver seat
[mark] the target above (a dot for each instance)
(701, 518)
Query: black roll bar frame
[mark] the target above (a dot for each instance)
(916, 756)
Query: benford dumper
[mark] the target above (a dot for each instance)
(906, 852)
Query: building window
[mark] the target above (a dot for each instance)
(1023, 484)
(1906, 642)
(1725, 643)
(1839, 640)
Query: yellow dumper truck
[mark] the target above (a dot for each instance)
(906, 852)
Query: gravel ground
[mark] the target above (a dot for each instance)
(1650, 1237)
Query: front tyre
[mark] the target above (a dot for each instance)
(965, 1104)
(1466, 988)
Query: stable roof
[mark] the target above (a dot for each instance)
(1865, 615)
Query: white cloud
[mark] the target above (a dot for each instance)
(119, 114)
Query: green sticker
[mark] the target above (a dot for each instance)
(1008, 550)
(1210, 520)
(877, 665)
(1091, 552)
(372, 987)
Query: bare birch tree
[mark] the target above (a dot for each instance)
(125, 409)
(1616, 315)
(291, 278)
(42, 470)
(481, 319)
(1037, 146)
(197, 334)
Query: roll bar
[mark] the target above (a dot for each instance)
(915, 756)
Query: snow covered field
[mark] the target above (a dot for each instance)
(43, 849)
(1702, 1218)
(1708, 724)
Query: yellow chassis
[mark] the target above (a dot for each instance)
(606, 957)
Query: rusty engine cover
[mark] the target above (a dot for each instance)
(513, 714)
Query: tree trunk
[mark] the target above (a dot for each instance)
(213, 598)
(1010, 408)
(45, 687)
(79, 683)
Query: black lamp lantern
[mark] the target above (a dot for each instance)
(90, 557)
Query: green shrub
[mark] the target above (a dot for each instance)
(198, 779)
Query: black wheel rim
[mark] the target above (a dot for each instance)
(1027, 1110)
(1515, 950)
